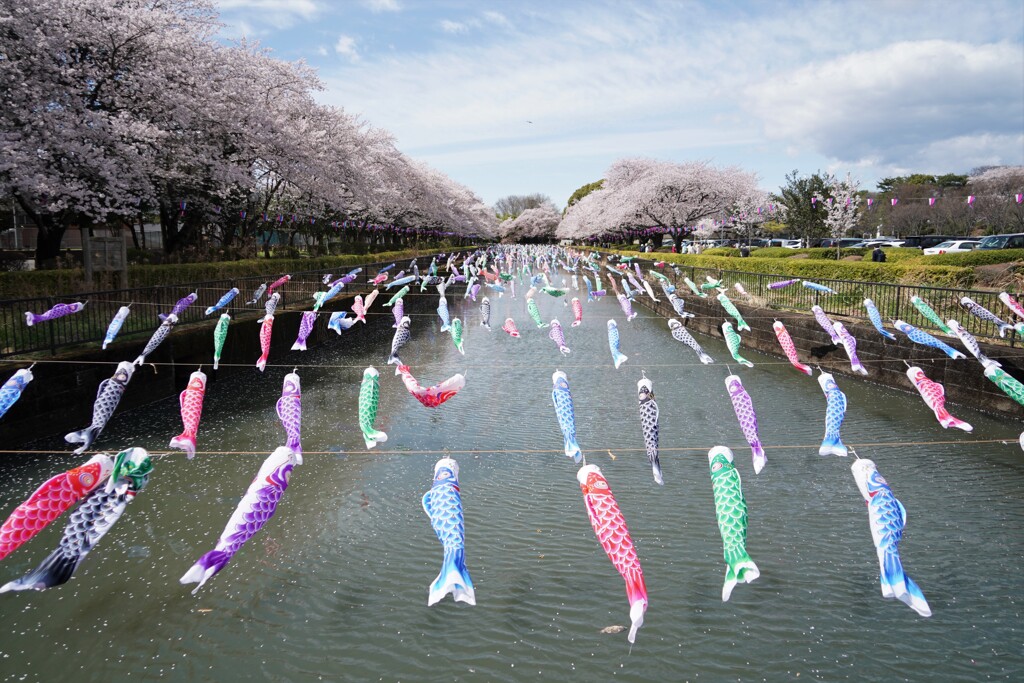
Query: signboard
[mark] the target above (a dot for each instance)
(104, 254)
(107, 253)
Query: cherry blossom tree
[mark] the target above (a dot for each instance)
(532, 225)
(666, 196)
(750, 213)
(117, 109)
(514, 204)
(73, 72)
(997, 190)
(841, 202)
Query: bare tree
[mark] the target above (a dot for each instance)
(514, 204)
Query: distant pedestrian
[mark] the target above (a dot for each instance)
(878, 256)
(744, 251)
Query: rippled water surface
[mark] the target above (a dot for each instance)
(335, 586)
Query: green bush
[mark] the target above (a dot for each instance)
(775, 252)
(976, 258)
(783, 252)
(812, 269)
(936, 276)
(287, 252)
(830, 253)
(52, 282)
(904, 254)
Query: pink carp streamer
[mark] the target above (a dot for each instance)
(191, 402)
(786, 342)
(934, 396)
(611, 530)
(52, 499)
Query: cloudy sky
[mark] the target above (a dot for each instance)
(528, 96)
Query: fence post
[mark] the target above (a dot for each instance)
(899, 301)
(49, 328)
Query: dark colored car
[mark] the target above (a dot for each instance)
(1010, 241)
(925, 241)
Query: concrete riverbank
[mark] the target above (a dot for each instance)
(60, 398)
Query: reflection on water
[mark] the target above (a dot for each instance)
(335, 586)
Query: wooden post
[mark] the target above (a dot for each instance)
(86, 254)
(124, 261)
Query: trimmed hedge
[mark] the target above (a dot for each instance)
(984, 257)
(830, 253)
(905, 254)
(50, 282)
(776, 252)
(868, 271)
(783, 252)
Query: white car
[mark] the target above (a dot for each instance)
(952, 247)
(871, 244)
(789, 244)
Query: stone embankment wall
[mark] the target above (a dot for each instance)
(61, 396)
(884, 359)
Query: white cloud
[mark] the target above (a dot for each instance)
(907, 103)
(321, 50)
(599, 144)
(473, 93)
(382, 5)
(453, 26)
(497, 18)
(686, 82)
(243, 29)
(276, 13)
(346, 47)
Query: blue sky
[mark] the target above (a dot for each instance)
(531, 96)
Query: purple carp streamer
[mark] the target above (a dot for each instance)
(254, 510)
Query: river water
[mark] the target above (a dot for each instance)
(335, 586)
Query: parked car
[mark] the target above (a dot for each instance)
(1009, 241)
(925, 241)
(789, 244)
(871, 244)
(952, 247)
(842, 242)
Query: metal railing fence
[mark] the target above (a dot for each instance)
(90, 324)
(892, 300)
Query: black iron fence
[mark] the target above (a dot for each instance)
(90, 325)
(893, 301)
(146, 303)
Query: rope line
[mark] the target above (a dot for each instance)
(458, 297)
(526, 451)
(456, 364)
